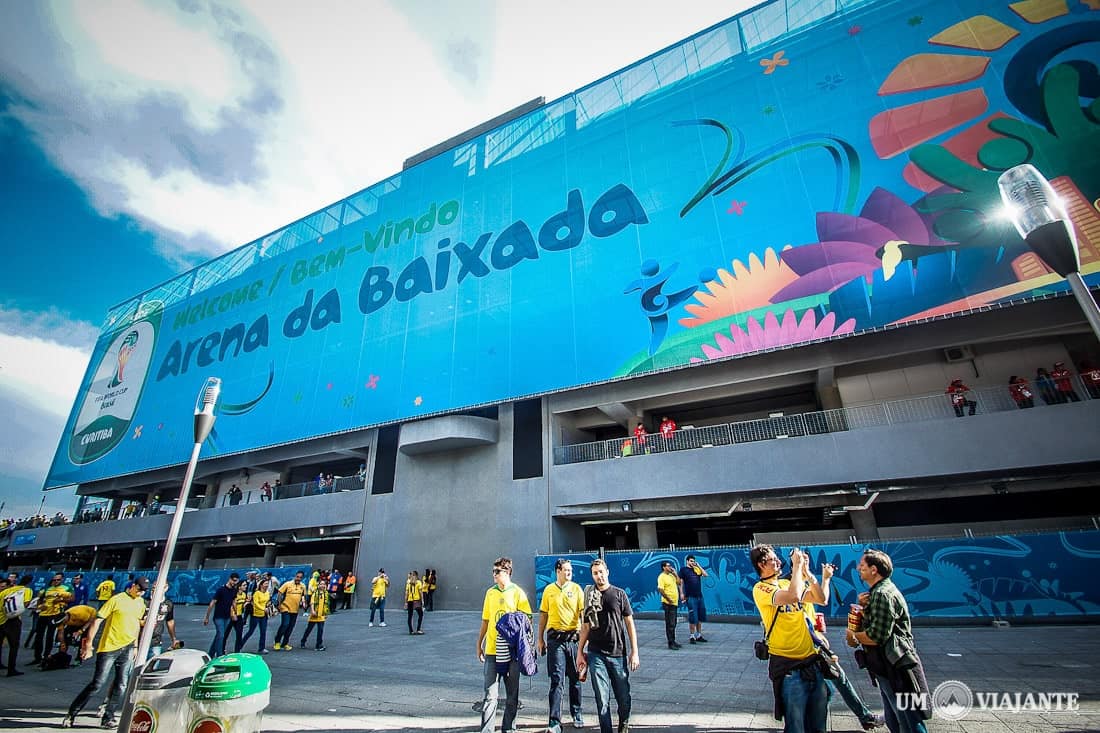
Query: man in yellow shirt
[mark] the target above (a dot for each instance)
(668, 587)
(120, 618)
(559, 630)
(378, 585)
(501, 598)
(291, 594)
(51, 605)
(71, 625)
(801, 694)
(105, 590)
(13, 603)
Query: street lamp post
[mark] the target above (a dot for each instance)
(1041, 219)
(204, 421)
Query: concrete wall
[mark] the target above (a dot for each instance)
(456, 511)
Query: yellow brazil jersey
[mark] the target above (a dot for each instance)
(497, 603)
(378, 586)
(105, 590)
(413, 590)
(563, 606)
(7, 605)
(240, 601)
(292, 596)
(789, 637)
(79, 615)
(53, 600)
(122, 616)
(668, 585)
(259, 603)
(319, 604)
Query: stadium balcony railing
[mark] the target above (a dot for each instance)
(894, 412)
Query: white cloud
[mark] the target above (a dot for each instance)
(215, 124)
(44, 372)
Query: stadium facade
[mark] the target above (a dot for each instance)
(783, 234)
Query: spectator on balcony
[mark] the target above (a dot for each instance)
(1063, 382)
(235, 495)
(154, 507)
(1045, 385)
(1021, 392)
(275, 490)
(957, 392)
(1090, 375)
(639, 438)
(320, 488)
(362, 473)
(265, 491)
(668, 427)
(330, 483)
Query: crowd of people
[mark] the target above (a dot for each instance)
(582, 632)
(12, 524)
(1055, 387)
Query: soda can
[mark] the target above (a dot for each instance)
(855, 617)
(819, 622)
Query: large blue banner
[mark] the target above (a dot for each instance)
(184, 586)
(1008, 577)
(805, 172)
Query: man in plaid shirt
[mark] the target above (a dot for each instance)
(887, 636)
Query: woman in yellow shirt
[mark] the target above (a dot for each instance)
(257, 607)
(414, 594)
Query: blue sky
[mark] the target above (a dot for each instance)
(138, 139)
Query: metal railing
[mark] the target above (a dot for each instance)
(893, 412)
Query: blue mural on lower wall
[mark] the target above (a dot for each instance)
(1007, 576)
(184, 586)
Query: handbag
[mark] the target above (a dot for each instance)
(829, 667)
(760, 646)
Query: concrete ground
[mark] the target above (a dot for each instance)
(382, 679)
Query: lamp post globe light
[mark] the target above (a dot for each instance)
(204, 422)
(1041, 219)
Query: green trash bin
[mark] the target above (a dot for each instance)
(229, 695)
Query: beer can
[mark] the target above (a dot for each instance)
(855, 617)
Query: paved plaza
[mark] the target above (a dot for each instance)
(382, 679)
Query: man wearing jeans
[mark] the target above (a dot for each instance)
(121, 620)
(559, 630)
(608, 624)
(691, 583)
(800, 692)
(223, 604)
(502, 597)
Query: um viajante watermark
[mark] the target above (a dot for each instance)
(953, 700)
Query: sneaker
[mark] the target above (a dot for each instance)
(578, 721)
(67, 721)
(875, 721)
(370, 624)
(691, 640)
(102, 710)
(419, 632)
(277, 646)
(14, 673)
(701, 640)
(624, 727)
(109, 723)
(382, 624)
(287, 647)
(320, 648)
(263, 651)
(674, 646)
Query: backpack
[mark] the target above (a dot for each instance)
(57, 660)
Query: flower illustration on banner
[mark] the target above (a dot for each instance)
(854, 30)
(774, 333)
(372, 382)
(775, 61)
(887, 232)
(418, 401)
(743, 287)
(737, 207)
(831, 82)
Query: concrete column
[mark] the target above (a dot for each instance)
(827, 391)
(702, 538)
(113, 508)
(647, 535)
(864, 525)
(211, 498)
(137, 558)
(96, 559)
(269, 556)
(197, 556)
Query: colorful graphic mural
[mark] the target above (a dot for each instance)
(184, 586)
(789, 176)
(1008, 577)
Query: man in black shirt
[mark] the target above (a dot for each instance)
(224, 607)
(608, 622)
(691, 583)
(165, 619)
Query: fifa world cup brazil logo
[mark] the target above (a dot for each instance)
(125, 351)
